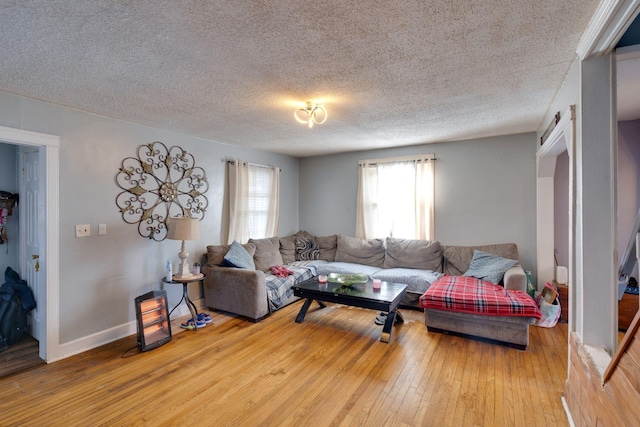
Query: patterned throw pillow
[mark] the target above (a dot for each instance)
(488, 267)
(237, 256)
(306, 249)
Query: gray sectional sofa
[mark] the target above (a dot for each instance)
(254, 293)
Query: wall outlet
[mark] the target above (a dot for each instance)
(83, 230)
(102, 229)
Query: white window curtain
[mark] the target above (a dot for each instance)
(254, 201)
(396, 198)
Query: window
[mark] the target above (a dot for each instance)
(396, 198)
(254, 194)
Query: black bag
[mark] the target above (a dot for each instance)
(16, 300)
(13, 320)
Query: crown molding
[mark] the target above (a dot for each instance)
(607, 25)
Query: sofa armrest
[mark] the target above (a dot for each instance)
(515, 279)
(236, 290)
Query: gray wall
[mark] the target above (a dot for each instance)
(485, 191)
(101, 275)
(9, 182)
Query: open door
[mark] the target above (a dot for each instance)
(31, 235)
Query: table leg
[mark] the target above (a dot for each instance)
(176, 306)
(192, 307)
(303, 310)
(393, 318)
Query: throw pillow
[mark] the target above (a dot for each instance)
(485, 266)
(458, 258)
(237, 256)
(306, 249)
(216, 253)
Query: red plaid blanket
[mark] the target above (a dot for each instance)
(471, 295)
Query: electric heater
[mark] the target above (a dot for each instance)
(154, 327)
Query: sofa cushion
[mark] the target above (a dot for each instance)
(305, 235)
(216, 253)
(417, 281)
(288, 249)
(470, 295)
(280, 289)
(306, 249)
(267, 253)
(413, 253)
(324, 267)
(237, 256)
(328, 246)
(458, 258)
(360, 251)
(488, 267)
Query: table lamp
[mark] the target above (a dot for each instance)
(183, 228)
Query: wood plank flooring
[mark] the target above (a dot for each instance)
(20, 356)
(331, 370)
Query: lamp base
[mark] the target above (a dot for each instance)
(183, 269)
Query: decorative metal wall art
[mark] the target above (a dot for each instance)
(160, 183)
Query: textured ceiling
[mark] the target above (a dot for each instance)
(390, 73)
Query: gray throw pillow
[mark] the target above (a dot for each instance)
(216, 253)
(237, 256)
(485, 266)
(306, 249)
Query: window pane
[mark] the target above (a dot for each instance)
(259, 199)
(396, 199)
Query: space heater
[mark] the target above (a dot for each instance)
(154, 327)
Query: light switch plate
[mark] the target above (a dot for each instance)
(102, 229)
(83, 230)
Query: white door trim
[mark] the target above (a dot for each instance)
(561, 139)
(49, 149)
(611, 19)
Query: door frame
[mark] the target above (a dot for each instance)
(49, 150)
(561, 139)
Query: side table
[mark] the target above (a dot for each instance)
(185, 295)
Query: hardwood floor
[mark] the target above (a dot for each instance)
(330, 370)
(20, 356)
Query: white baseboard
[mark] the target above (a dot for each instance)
(113, 334)
(566, 410)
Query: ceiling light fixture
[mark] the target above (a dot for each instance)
(311, 114)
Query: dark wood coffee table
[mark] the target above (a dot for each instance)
(363, 295)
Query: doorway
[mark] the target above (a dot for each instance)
(47, 147)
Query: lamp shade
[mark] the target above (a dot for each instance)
(183, 228)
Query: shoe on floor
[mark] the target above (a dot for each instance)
(381, 318)
(189, 324)
(204, 317)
